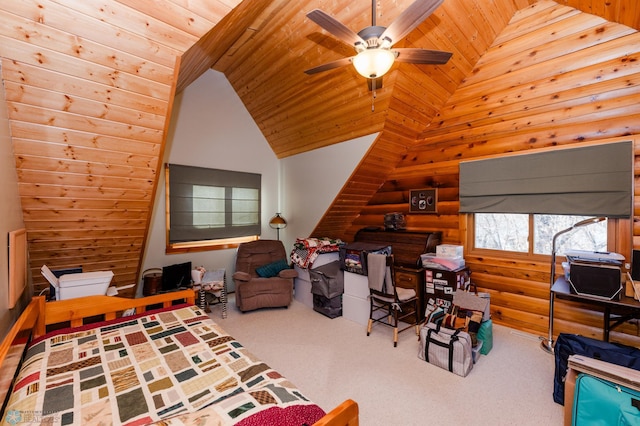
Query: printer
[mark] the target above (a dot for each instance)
(596, 274)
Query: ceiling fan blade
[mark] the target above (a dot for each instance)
(335, 27)
(422, 56)
(329, 66)
(413, 16)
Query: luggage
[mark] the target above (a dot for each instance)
(574, 344)
(598, 401)
(446, 348)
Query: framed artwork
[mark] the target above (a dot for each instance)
(423, 200)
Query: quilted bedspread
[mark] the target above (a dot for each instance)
(306, 250)
(173, 367)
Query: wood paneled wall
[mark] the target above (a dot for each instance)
(89, 91)
(552, 77)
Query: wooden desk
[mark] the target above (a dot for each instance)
(616, 312)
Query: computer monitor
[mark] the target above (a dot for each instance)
(635, 266)
(176, 276)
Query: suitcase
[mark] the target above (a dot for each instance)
(574, 344)
(446, 348)
(601, 402)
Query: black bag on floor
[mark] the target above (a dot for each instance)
(574, 344)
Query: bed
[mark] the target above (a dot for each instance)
(166, 364)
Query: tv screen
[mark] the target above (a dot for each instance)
(176, 276)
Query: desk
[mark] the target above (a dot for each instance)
(615, 311)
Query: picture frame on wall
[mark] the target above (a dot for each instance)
(423, 200)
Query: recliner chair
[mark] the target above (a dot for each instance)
(263, 277)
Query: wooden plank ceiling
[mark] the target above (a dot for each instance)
(90, 85)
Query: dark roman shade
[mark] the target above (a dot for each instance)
(210, 204)
(594, 180)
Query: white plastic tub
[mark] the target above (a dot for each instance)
(70, 286)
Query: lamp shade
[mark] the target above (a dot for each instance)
(373, 63)
(278, 222)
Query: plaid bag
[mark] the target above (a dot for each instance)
(446, 348)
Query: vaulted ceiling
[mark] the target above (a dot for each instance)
(90, 86)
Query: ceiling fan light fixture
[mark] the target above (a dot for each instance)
(373, 63)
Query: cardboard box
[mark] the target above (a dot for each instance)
(70, 286)
(441, 285)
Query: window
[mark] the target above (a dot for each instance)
(519, 202)
(209, 207)
(533, 233)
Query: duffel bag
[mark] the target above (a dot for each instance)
(575, 344)
(446, 348)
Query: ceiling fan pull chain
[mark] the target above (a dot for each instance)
(373, 100)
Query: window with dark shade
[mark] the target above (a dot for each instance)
(594, 180)
(211, 204)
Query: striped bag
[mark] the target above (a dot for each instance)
(446, 348)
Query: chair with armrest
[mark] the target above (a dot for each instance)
(263, 277)
(400, 304)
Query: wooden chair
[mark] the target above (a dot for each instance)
(399, 303)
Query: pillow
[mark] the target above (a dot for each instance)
(271, 269)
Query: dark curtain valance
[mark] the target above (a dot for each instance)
(226, 212)
(595, 180)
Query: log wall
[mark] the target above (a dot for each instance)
(570, 78)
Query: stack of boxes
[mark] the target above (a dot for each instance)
(447, 281)
(445, 272)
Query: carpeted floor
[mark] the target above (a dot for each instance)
(331, 360)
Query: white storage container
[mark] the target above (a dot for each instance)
(356, 285)
(449, 250)
(70, 286)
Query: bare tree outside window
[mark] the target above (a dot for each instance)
(510, 232)
(500, 231)
(592, 237)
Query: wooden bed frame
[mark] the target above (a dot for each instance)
(39, 315)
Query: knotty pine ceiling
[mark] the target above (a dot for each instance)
(89, 88)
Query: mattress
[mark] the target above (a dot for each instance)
(173, 366)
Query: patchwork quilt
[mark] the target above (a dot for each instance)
(306, 250)
(169, 367)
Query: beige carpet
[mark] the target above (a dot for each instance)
(331, 360)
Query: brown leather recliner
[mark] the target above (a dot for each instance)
(254, 291)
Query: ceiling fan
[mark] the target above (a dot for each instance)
(373, 44)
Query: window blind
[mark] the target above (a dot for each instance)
(595, 180)
(209, 204)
